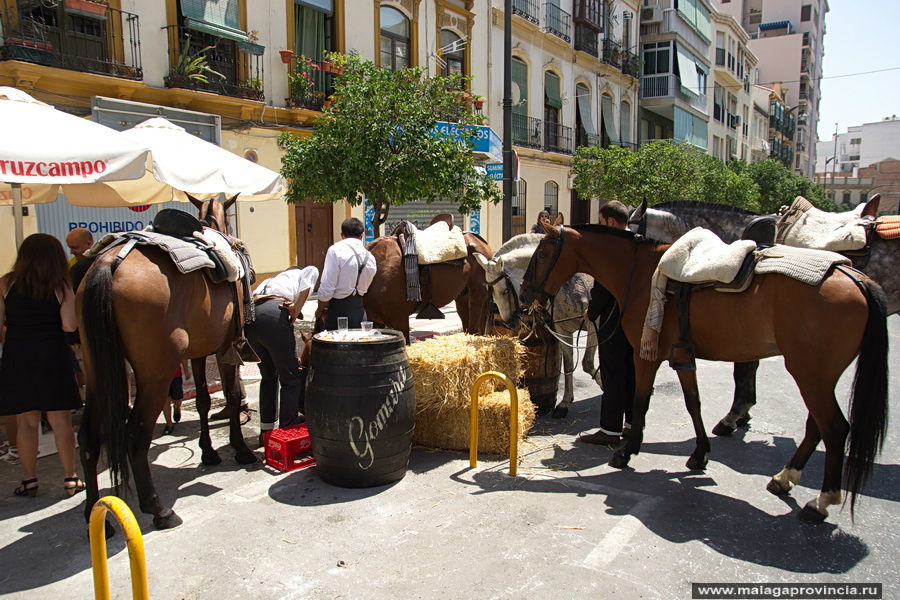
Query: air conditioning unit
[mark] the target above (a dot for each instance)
(651, 14)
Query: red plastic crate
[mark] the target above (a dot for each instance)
(289, 448)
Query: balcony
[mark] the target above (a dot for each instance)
(557, 138)
(527, 9)
(589, 13)
(733, 120)
(673, 22)
(631, 64)
(557, 21)
(586, 39)
(63, 34)
(667, 85)
(310, 83)
(612, 53)
(526, 131)
(209, 63)
(583, 138)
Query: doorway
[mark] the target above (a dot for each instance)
(314, 233)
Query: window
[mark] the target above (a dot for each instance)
(718, 103)
(314, 36)
(552, 106)
(625, 123)
(519, 78)
(394, 39)
(657, 58)
(518, 207)
(551, 197)
(585, 134)
(453, 54)
(846, 198)
(855, 141)
(720, 48)
(805, 12)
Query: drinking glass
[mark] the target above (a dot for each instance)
(366, 325)
(343, 323)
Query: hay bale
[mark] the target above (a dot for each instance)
(447, 427)
(444, 369)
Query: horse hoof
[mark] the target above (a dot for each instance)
(722, 429)
(810, 515)
(245, 457)
(773, 487)
(618, 461)
(167, 520)
(560, 412)
(697, 464)
(743, 421)
(210, 458)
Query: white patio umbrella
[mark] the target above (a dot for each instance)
(45, 151)
(183, 163)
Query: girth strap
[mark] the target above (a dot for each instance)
(121, 255)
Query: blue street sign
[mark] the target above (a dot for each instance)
(485, 140)
(475, 221)
(494, 171)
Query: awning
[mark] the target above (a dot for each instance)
(583, 96)
(216, 17)
(775, 25)
(551, 90)
(687, 69)
(606, 110)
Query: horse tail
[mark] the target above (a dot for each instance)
(108, 405)
(869, 398)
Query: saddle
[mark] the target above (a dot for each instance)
(419, 286)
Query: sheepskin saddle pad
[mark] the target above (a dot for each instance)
(438, 243)
(805, 226)
(700, 255)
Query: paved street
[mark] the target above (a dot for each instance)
(568, 526)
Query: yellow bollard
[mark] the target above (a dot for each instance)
(513, 420)
(133, 539)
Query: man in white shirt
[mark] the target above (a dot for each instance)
(279, 301)
(348, 271)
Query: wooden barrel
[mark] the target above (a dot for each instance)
(360, 408)
(542, 365)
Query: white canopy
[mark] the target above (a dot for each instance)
(43, 148)
(183, 163)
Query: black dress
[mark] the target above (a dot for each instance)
(37, 366)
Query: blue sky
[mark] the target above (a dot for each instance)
(862, 35)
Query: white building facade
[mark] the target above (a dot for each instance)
(859, 146)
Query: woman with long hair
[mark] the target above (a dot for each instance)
(36, 369)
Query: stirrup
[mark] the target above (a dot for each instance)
(430, 311)
(688, 364)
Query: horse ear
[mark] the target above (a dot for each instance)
(558, 220)
(871, 209)
(227, 204)
(549, 228)
(197, 203)
(481, 260)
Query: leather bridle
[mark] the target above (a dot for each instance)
(532, 265)
(511, 290)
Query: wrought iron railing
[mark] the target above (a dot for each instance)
(631, 64)
(526, 131)
(586, 39)
(583, 138)
(225, 66)
(65, 34)
(557, 21)
(557, 138)
(612, 53)
(527, 9)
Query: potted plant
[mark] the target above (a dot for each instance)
(330, 67)
(90, 7)
(478, 102)
(190, 67)
(286, 56)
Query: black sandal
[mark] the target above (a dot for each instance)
(26, 489)
(77, 485)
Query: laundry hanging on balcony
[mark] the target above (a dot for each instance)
(216, 17)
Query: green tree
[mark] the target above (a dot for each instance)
(778, 186)
(376, 137)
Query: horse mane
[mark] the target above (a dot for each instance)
(519, 241)
(615, 231)
(704, 206)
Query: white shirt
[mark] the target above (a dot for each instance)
(289, 284)
(341, 267)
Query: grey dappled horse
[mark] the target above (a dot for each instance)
(668, 221)
(506, 269)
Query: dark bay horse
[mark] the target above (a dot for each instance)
(146, 312)
(844, 315)
(386, 302)
(668, 221)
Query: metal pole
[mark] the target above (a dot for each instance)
(17, 213)
(834, 161)
(507, 121)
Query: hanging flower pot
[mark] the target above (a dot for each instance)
(330, 67)
(286, 56)
(478, 103)
(88, 7)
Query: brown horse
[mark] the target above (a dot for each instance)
(386, 302)
(145, 311)
(844, 315)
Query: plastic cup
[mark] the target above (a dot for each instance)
(366, 325)
(343, 323)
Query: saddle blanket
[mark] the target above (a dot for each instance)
(438, 243)
(803, 264)
(187, 256)
(805, 226)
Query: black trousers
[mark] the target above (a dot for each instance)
(271, 336)
(350, 307)
(617, 375)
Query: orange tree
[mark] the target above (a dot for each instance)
(376, 140)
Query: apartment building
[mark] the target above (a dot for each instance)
(787, 36)
(860, 146)
(781, 124)
(734, 66)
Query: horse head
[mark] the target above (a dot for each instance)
(551, 265)
(307, 349)
(503, 291)
(212, 212)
